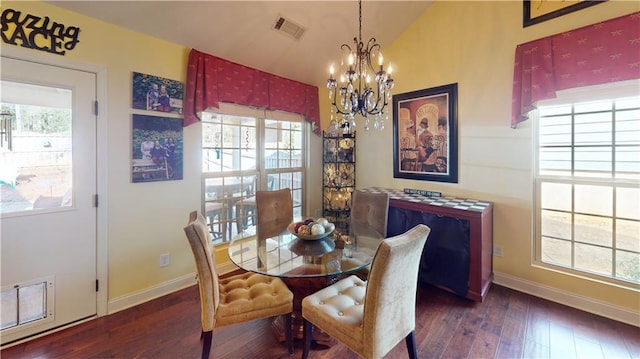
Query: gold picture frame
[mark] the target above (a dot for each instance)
(536, 11)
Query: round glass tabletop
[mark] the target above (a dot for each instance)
(287, 256)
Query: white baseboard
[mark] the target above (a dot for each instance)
(145, 295)
(573, 300)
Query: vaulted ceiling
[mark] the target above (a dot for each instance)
(242, 31)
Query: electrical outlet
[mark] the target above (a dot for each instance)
(165, 259)
(497, 251)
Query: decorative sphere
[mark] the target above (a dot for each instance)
(322, 221)
(329, 227)
(304, 229)
(317, 229)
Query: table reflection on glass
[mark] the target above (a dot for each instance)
(306, 266)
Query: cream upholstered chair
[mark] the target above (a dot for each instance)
(236, 299)
(274, 211)
(246, 207)
(371, 317)
(369, 210)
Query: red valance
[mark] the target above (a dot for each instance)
(604, 52)
(211, 80)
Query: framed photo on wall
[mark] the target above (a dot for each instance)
(425, 134)
(157, 147)
(153, 93)
(536, 11)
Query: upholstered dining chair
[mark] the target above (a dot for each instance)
(235, 299)
(370, 210)
(246, 207)
(372, 317)
(274, 211)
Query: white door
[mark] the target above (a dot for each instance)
(47, 197)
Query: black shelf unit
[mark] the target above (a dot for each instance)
(338, 177)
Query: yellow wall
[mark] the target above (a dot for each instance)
(471, 43)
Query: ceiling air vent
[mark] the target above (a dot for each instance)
(288, 27)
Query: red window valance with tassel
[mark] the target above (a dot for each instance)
(211, 80)
(605, 52)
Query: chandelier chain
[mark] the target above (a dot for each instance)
(359, 20)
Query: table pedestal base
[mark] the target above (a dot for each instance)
(302, 287)
(318, 336)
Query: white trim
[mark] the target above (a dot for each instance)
(604, 91)
(45, 333)
(586, 304)
(231, 109)
(148, 294)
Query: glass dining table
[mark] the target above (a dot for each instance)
(305, 265)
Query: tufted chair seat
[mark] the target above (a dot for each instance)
(371, 317)
(235, 299)
(246, 296)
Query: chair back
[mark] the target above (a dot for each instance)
(208, 282)
(274, 212)
(390, 299)
(369, 210)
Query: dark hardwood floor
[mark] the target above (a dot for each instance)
(508, 324)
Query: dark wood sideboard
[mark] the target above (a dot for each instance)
(470, 220)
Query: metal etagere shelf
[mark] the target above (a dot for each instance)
(339, 177)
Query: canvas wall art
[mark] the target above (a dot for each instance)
(153, 93)
(157, 148)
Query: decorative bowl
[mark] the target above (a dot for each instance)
(309, 237)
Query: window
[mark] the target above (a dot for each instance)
(35, 147)
(588, 185)
(244, 150)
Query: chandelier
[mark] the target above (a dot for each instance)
(360, 88)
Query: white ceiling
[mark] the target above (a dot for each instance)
(241, 31)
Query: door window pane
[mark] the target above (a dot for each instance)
(36, 172)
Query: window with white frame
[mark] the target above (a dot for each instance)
(588, 182)
(244, 150)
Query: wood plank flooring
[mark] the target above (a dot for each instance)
(509, 324)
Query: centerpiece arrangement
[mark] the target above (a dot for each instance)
(311, 229)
